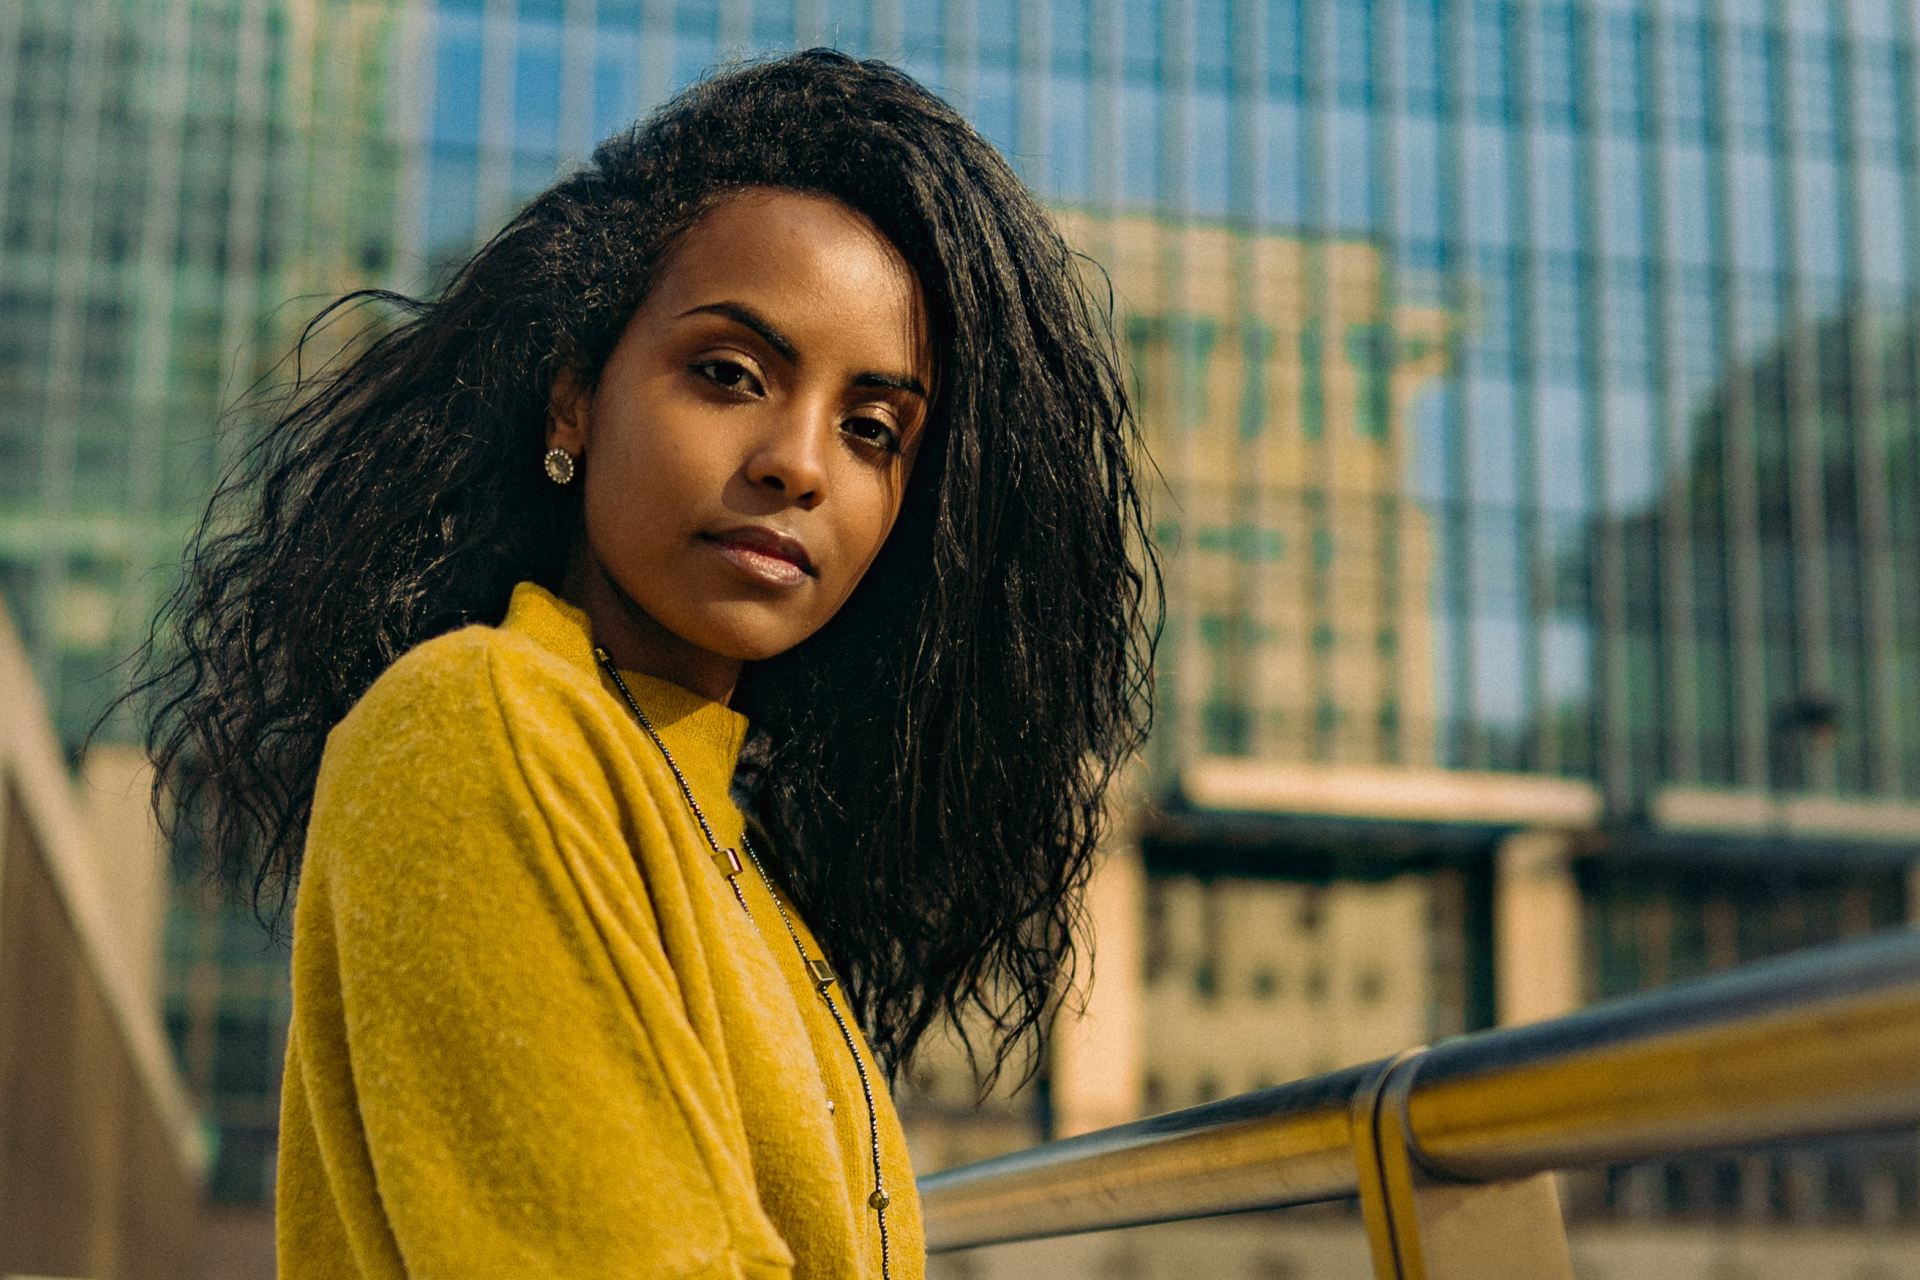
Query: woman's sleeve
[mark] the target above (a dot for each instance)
(517, 1099)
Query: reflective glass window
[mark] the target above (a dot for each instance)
(849, 25)
(1552, 66)
(1139, 144)
(1812, 91)
(1566, 659)
(1818, 230)
(1553, 191)
(1876, 100)
(1502, 701)
(924, 27)
(1625, 323)
(1140, 33)
(773, 23)
(1870, 19)
(26, 329)
(456, 80)
(1688, 199)
(452, 196)
(1756, 309)
(1620, 91)
(1747, 85)
(1069, 140)
(694, 54)
(1485, 189)
(1622, 195)
(695, 17)
(1419, 56)
(1281, 190)
(1353, 52)
(1068, 33)
(1350, 155)
(103, 455)
(536, 87)
(1490, 327)
(1213, 43)
(1498, 561)
(1417, 195)
(1558, 327)
(1752, 214)
(616, 88)
(1492, 441)
(1492, 73)
(995, 106)
(529, 171)
(997, 30)
(1883, 242)
(1209, 154)
(1631, 449)
(1286, 49)
(1684, 80)
(1560, 467)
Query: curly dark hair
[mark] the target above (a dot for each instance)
(936, 788)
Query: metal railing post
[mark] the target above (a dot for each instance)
(1421, 1227)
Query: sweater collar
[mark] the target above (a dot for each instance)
(704, 736)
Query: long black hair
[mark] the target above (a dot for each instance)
(932, 763)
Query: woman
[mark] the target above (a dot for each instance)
(785, 425)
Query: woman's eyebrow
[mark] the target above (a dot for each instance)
(746, 315)
(741, 313)
(895, 381)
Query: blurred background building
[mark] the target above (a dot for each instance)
(1533, 384)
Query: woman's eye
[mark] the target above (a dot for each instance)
(730, 374)
(875, 432)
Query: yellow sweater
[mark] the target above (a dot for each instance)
(534, 1035)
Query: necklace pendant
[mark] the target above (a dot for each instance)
(822, 974)
(729, 863)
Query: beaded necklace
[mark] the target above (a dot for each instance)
(818, 972)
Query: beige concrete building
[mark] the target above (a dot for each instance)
(1275, 380)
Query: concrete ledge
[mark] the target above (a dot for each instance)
(1805, 816)
(1392, 794)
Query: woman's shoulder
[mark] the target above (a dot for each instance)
(475, 683)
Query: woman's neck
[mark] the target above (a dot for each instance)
(636, 640)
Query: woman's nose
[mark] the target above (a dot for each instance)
(793, 458)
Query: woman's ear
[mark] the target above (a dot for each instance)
(567, 405)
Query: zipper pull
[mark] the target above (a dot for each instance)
(729, 863)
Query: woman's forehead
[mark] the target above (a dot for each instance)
(811, 260)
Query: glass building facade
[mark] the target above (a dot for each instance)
(1533, 381)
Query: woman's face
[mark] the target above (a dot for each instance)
(745, 451)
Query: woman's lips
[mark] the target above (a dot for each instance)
(753, 557)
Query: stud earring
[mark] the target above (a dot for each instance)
(559, 466)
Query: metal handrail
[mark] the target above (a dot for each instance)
(1823, 1042)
